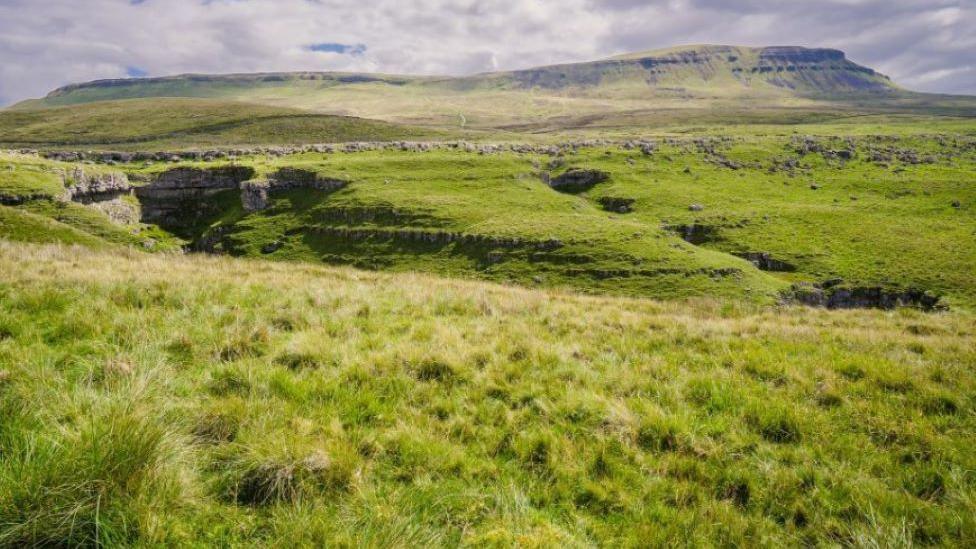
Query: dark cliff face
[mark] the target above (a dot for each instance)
(794, 54)
(182, 197)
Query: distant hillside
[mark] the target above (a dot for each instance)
(722, 69)
(183, 122)
(640, 85)
(718, 70)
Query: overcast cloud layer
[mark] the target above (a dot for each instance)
(926, 45)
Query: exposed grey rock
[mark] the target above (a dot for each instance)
(254, 195)
(94, 186)
(184, 192)
(272, 247)
(838, 296)
(694, 233)
(118, 210)
(696, 207)
(294, 178)
(646, 146)
(765, 262)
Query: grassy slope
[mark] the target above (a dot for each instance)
(40, 215)
(906, 234)
(25, 226)
(174, 124)
(180, 123)
(162, 400)
(497, 196)
(494, 108)
(866, 223)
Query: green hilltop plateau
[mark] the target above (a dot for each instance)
(702, 296)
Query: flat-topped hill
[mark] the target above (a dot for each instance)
(715, 70)
(795, 70)
(626, 90)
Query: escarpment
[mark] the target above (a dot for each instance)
(189, 191)
(836, 295)
(797, 69)
(255, 193)
(106, 191)
(179, 196)
(95, 186)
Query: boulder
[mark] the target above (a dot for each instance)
(254, 195)
(272, 247)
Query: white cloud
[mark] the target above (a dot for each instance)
(48, 43)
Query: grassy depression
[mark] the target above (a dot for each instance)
(790, 198)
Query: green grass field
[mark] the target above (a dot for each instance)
(156, 400)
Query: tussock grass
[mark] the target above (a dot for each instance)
(149, 399)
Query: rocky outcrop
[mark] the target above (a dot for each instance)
(8, 199)
(765, 262)
(94, 186)
(214, 155)
(272, 247)
(617, 204)
(695, 233)
(119, 210)
(577, 180)
(181, 193)
(296, 178)
(202, 179)
(255, 193)
(834, 295)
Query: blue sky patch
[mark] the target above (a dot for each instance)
(135, 72)
(335, 47)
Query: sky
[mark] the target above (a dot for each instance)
(925, 45)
